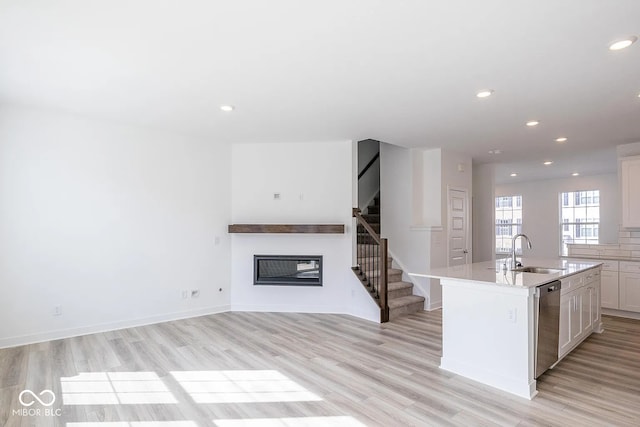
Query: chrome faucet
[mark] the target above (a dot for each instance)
(514, 262)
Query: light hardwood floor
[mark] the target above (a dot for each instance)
(315, 368)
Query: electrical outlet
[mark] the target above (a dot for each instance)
(216, 240)
(512, 315)
(195, 293)
(57, 310)
(276, 196)
(185, 294)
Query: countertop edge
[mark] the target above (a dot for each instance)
(476, 273)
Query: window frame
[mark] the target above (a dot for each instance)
(504, 228)
(584, 228)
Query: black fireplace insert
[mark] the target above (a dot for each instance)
(287, 270)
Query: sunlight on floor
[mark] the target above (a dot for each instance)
(135, 424)
(292, 422)
(220, 387)
(242, 387)
(115, 388)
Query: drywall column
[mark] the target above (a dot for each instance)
(483, 212)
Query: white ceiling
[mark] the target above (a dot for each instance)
(400, 72)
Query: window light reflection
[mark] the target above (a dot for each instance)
(242, 386)
(114, 388)
(134, 424)
(344, 421)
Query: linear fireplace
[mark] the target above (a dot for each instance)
(288, 270)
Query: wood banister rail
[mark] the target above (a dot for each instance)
(371, 162)
(372, 268)
(363, 222)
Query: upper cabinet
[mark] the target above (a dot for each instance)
(629, 194)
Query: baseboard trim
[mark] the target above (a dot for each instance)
(436, 305)
(106, 327)
(621, 313)
(284, 308)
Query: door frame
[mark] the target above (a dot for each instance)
(467, 199)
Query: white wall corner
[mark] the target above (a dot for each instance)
(110, 326)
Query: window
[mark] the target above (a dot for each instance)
(579, 218)
(508, 222)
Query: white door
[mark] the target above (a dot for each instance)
(458, 240)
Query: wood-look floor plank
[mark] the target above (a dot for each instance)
(380, 375)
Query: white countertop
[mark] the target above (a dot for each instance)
(491, 272)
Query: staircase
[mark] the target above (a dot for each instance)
(399, 294)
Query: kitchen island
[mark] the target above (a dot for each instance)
(489, 318)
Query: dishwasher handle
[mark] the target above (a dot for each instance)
(546, 288)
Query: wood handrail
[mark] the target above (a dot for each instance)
(363, 222)
(371, 162)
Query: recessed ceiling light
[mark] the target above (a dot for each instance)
(227, 107)
(547, 163)
(575, 174)
(484, 93)
(495, 151)
(514, 174)
(561, 139)
(621, 44)
(532, 123)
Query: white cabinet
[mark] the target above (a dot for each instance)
(567, 305)
(629, 181)
(629, 283)
(609, 289)
(579, 309)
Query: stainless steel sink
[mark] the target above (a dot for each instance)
(538, 270)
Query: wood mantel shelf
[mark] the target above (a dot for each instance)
(287, 228)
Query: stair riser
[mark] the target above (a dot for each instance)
(404, 310)
(366, 239)
(368, 249)
(404, 292)
(373, 210)
(395, 277)
(393, 273)
(372, 218)
(376, 228)
(370, 261)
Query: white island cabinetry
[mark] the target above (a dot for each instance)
(579, 309)
(489, 318)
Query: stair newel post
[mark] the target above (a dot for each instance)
(384, 305)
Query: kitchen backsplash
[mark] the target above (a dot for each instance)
(628, 247)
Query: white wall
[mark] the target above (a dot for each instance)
(414, 209)
(314, 181)
(484, 239)
(109, 222)
(409, 246)
(426, 183)
(540, 205)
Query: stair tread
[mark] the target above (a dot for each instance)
(402, 301)
(394, 286)
(374, 273)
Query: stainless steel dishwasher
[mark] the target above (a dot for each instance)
(547, 325)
